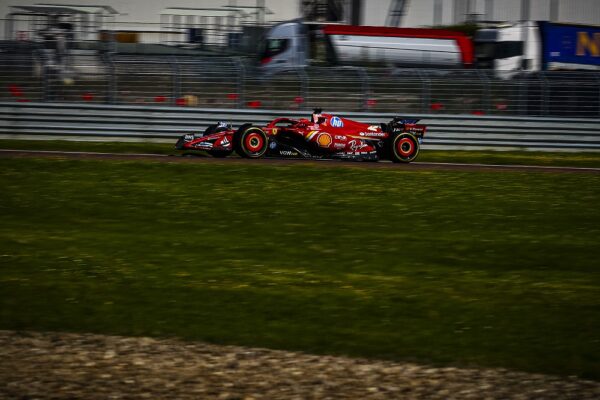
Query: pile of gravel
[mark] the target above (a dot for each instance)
(86, 366)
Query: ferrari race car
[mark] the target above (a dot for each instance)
(323, 136)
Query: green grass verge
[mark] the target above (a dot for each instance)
(559, 159)
(587, 159)
(450, 268)
(100, 147)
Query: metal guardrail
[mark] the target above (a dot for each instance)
(155, 123)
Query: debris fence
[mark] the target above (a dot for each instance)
(234, 82)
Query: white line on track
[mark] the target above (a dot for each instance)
(433, 164)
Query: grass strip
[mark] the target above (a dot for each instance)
(444, 267)
(562, 159)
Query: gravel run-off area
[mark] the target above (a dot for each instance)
(87, 366)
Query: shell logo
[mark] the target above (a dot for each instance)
(324, 139)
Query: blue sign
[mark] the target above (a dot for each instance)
(573, 44)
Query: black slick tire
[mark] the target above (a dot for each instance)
(250, 142)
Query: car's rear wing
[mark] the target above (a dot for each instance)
(401, 120)
(416, 130)
(400, 124)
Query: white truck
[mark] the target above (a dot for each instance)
(527, 46)
(296, 44)
(538, 46)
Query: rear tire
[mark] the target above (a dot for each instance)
(250, 142)
(404, 148)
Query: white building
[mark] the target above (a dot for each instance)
(447, 12)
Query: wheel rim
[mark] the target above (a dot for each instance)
(254, 142)
(405, 147)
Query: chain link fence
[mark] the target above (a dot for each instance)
(30, 74)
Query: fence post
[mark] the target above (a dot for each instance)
(111, 87)
(304, 88)
(545, 87)
(598, 79)
(241, 78)
(486, 92)
(38, 56)
(426, 90)
(46, 83)
(362, 73)
(175, 80)
(523, 96)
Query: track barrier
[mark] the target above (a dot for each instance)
(89, 121)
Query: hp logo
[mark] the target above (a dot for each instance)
(336, 122)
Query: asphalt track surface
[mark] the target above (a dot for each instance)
(414, 166)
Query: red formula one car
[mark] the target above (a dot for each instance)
(323, 136)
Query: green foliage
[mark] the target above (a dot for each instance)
(452, 268)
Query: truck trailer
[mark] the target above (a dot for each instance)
(296, 44)
(532, 46)
(509, 49)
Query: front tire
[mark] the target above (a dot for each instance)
(404, 148)
(250, 142)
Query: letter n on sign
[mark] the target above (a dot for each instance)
(585, 42)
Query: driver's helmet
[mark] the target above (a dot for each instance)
(316, 117)
(222, 124)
